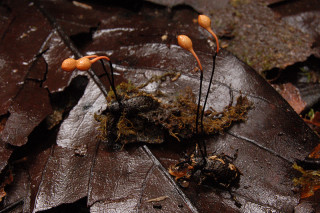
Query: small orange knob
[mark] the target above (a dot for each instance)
(204, 21)
(185, 42)
(83, 64)
(69, 65)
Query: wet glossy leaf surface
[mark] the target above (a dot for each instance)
(303, 15)
(70, 164)
(27, 113)
(279, 43)
(292, 95)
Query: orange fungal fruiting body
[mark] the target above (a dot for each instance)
(83, 64)
(186, 43)
(69, 65)
(205, 22)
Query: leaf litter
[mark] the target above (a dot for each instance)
(251, 31)
(127, 168)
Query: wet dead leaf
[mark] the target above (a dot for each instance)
(303, 15)
(252, 32)
(268, 142)
(292, 95)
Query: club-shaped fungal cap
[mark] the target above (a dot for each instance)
(69, 65)
(204, 21)
(83, 64)
(186, 43)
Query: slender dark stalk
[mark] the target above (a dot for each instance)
(204, 151)
(111, 69)
(111, 81)
(205, 103)
(106, 73)
(199, 99)
(207, 95)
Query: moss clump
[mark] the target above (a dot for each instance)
(179, 117)
(103, 127)
(144, 118)
(125, 124)
(125, 127)
(123, 90)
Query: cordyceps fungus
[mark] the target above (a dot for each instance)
(219, 169)
(186, 43)
(205, 22)
(154, 117)
(84, 64)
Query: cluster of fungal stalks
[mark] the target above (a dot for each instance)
(136, 116)
(219, 169)
(84, 64)
(133, 115)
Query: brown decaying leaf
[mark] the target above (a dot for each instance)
(292, 95)
(23, 100)
(303, 15)
(271, 139)
(252, 32)
(26, 113)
